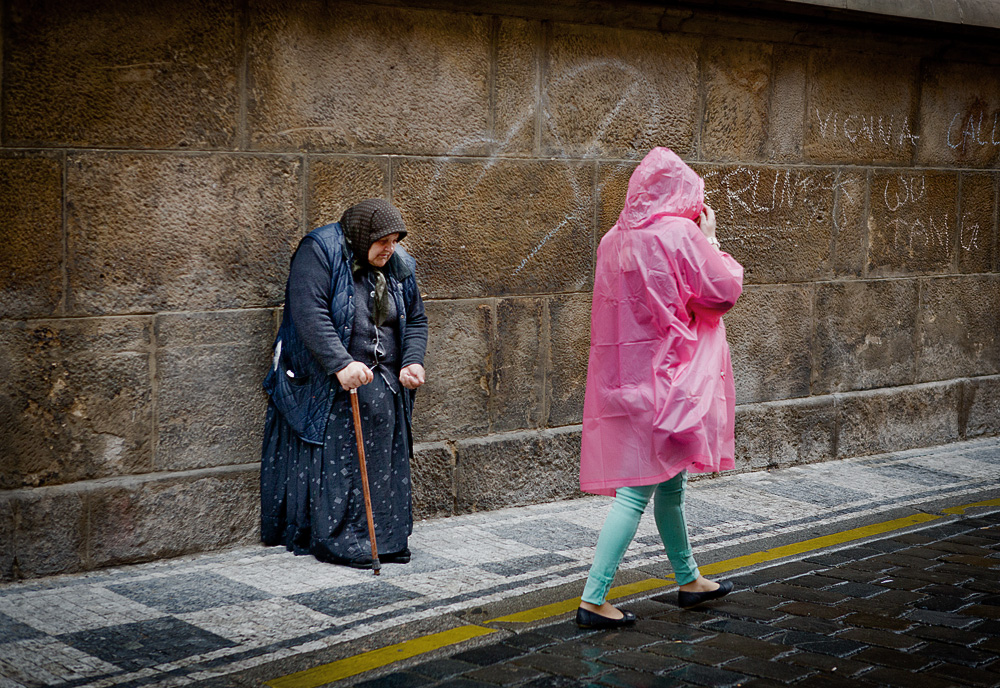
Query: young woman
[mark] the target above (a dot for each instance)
(660, 399)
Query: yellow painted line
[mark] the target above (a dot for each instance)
(373, 659)
(815, 543)
(640, 586)
(557, 608)
(543, 612)
(959, 510)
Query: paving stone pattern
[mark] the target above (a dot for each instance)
(920, 609)
(199, 618)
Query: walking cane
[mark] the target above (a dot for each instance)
(364, 480)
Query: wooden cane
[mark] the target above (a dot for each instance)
(364, 479)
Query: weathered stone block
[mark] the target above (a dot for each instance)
(977, 231)
(151, 233)
(981, 407)
(785, 433)
(912, 222)
(31, 253)
(454, 402)
(865, 335)
(498, 227)
(336, 183)
(51, 532)
(210, 406)
(612, 189)
(960, 327)
(897, 418)
(156, 519)
(769, 331)
(859, 108)
(519, 365)
(75, 400)
(7, 553)
(788, 104)
(362, 78)
(121, 74)
(432, 471)
(569, 352)
(517, 72)
(519, 468)
(849, 222)
(959, 115)
(641, 91)
(736, 77)
(777, 222)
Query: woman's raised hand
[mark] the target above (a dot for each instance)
(354, 375)
(706, 221)
(412, 376)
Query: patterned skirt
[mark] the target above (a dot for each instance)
(311, 496)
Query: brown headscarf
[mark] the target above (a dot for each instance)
(368, 221)
(363, 224)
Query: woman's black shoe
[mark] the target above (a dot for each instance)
(686, 600)
(587, 619)
(401, 557)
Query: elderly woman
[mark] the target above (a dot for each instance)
(660, 398)
(353, 319)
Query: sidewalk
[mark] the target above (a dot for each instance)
(912, 609)
(247, 616)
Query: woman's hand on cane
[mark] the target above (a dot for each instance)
(354, 375)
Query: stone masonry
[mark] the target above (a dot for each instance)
(160, 161)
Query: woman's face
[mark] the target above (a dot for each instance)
(381, 250)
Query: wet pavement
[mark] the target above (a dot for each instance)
(918, 609)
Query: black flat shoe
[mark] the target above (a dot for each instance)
(686, 600)
(401, 557)
(587, 619)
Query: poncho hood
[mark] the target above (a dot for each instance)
(662, 186)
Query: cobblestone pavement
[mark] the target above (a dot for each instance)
(253, 615)
(919, 609)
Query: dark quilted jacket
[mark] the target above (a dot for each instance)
(306, 397)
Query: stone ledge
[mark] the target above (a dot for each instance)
(112, 521)
(517, 468)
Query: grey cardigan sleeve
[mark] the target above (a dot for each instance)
(309, 305)
(415, 341)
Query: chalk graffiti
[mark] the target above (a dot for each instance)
(907, 191)
(874, 129)
(911, 233)
(741, 192)
(542, 243)
(742, 188)
(751, 201)
(971, 131)
(637, 89)
(969, 236)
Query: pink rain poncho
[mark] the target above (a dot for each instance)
(660, 397)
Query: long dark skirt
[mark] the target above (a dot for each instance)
(311, 496)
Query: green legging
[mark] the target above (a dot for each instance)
(621, 524)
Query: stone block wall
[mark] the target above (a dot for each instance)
(160, 161)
